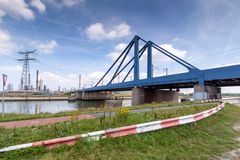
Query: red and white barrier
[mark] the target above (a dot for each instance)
(119, 132)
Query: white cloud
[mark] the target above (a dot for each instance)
(121, 46)
(16, 8)
(46, 47)
(65, 3)
(39, 5)
(113, 55)
(176, 39)
(49, 76)
(13, 72)
(118, 50)
(160, 57)
(53, 80)
(142, 75)
(97, 31)
(176, 52)
(6, 44)
(2, 13)
(12, 69)
(95, 75)
(222, 65)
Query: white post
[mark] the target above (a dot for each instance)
(3, 102)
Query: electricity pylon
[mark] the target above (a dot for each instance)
(25, 83)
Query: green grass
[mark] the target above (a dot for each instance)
(17, 117)
(208, 137)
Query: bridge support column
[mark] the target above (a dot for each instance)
(138, 96)
(149, 95)
(206, 92)
(82, 95)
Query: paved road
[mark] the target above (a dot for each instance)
(44, 121)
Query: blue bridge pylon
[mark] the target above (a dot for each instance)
(224, 76)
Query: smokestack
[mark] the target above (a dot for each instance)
(40, 85)
(37, 88)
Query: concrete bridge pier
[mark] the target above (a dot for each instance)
(83, 95)
(206, 92)
(142, 95)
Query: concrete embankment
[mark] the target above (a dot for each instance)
(32, 98)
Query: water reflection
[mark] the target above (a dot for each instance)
(36, 107)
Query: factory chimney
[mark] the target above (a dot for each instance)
(37, 82)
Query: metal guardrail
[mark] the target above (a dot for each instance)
(119, 132)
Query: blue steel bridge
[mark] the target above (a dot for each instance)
(205, 82)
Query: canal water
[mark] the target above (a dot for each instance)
(36, 107)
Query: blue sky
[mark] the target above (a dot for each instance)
(75, 37)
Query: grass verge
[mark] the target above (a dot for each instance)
(209, 137)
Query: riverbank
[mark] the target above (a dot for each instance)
(106, 113)
(36, 98)
(208, 138)
(91, 110)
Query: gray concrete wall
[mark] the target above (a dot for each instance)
(138, 96)
(148, 95)
(167, 96)
(93, 95)
(203, 92)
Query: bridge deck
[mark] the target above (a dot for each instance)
(223, 76)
